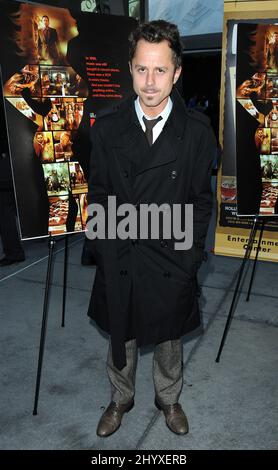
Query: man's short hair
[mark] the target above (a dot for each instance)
(156, 32)
(45, 16)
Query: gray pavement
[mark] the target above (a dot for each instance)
(230, 405)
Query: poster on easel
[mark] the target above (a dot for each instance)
(245, 185)
(257, 120)
(59, 68)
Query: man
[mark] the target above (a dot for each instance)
(271, 51)
(47, 43)
(39, 144)
(43, 147)
(145, 290)
(63, 150)
(27, 78)
(59, 87)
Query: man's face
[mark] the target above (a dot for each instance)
(45, 22)
(153, 73)
(64, 139)
(260, 132)
(40, 138)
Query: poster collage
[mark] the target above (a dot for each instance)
(247, 182)
(50, 106)
(48, 78)
(54, 137)
(257, 94)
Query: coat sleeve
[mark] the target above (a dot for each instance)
(98, 185)
(200, 192)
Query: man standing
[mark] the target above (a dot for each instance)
(150, 150)
(47, 43)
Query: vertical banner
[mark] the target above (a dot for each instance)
(257, 119)
(59, 68)
(248, 179)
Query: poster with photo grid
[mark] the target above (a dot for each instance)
(257, 119)
(59, 68)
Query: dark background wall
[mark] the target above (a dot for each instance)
(201, 59)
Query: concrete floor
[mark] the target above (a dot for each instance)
(230, 405)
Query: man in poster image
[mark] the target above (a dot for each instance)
(149, 150)
(272, 51)
(48, 42)
(63, 150)
(44, 113)
(38, 144)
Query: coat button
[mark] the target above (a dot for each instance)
(123, 272)
(167, 274)
(174, 174)
(163, 243)
(126, 174)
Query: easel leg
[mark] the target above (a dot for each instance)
(255, 262)
(44, 322)
(246, 257)
(65, 279)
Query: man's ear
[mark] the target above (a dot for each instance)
(177, 74)
(130, 67)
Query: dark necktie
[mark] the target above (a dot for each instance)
(46, 34)
(150, 123)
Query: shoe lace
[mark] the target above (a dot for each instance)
(114, 408)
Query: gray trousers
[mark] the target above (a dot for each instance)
(167, 372)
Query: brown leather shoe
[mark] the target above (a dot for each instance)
(112, 418)
(175, 417)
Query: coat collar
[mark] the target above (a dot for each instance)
(128, 117)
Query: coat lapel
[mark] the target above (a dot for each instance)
(133, 153)
(166, 148)
(163, 151)
(130, 145)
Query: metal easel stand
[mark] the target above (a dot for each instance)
(65, 279)
(51, 245)
(258, 222)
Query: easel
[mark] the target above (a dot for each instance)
(258, 223)
(51, 245)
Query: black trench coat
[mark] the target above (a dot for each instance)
(145, 289)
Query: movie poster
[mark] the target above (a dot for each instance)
(59, 68)
(244, 188)
(257, 119)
